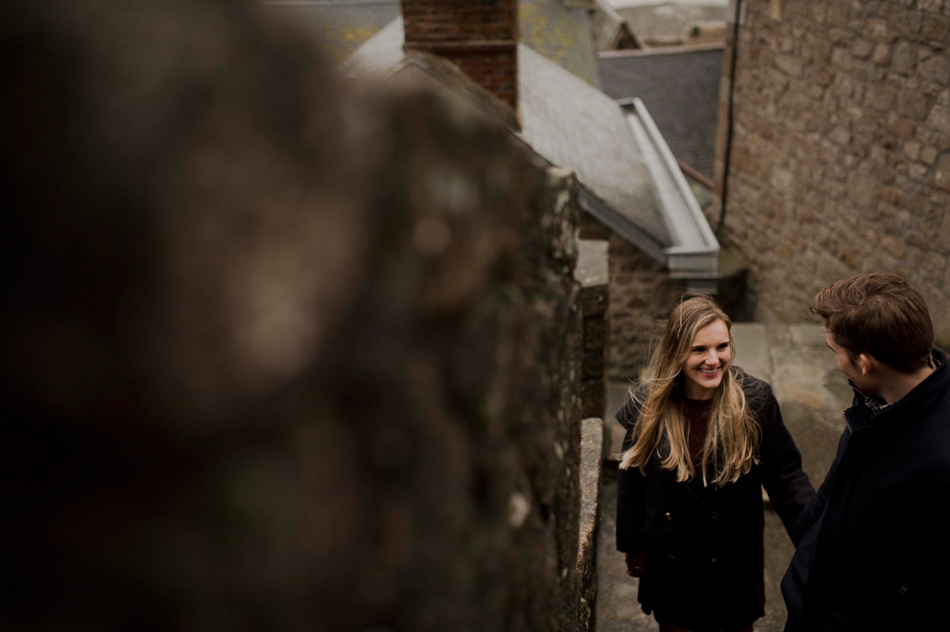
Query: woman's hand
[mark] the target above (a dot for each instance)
(634, 564)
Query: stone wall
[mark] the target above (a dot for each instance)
(284, 357)
(592, 272)
(840, 160)
(641, 296)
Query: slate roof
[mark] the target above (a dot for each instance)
(561, 33)
(340, 25)
(576, 126)
(608, 28)
(628, 177)
(680, 87)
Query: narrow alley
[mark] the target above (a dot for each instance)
(812, 394)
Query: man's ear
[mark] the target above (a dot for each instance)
(866, 363)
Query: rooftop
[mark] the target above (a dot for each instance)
(561, 33)
(629, 179)
(680, 87)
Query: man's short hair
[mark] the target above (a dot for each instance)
(880, 315)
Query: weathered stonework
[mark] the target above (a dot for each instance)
(839, 150)
(641, 296)
(285, 357)
(594, 447)
(594, 299)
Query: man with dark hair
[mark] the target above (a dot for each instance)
(874, 552)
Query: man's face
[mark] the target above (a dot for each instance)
(851, 369)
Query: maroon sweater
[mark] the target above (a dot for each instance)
(696, 412)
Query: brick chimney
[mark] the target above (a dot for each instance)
(478, 36)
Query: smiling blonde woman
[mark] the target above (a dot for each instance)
(702, 438)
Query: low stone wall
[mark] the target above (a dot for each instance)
(594, 447)
(594, 300)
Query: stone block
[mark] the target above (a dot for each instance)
(917, 172)
(912, 105)
(936, 68)
(939, 306)
(939, 119)
(881, 55)
(928, 155)
(862, 189)
(789, 64)
(879, 97)
(904, 59)
(861, 48)
(875, 30)
(842, 85)
(934, 28)
(840, 136)
(911, 149)
(941, 173)
(842, 58)
(930, 6)
(894, 246)
(932, 267)
(901, 127)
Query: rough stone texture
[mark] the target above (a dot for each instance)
(593, 451)
(641, 295)
(281, 358)
(592, 274)
(842, 121)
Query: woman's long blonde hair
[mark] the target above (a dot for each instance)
(732, 435)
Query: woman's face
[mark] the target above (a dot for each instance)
(707, 360)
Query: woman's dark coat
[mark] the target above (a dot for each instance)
(703, 546)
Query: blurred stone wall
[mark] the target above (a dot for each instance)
(277, 354)
(840, 160)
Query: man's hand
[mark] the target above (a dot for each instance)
(634, 564)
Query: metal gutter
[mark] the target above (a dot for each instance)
(622, 225)
(694, 254)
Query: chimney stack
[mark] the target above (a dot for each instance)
(478, 36)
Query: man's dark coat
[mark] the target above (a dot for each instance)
(703, 545)
(876, 546)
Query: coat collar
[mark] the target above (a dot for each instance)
(873, 411)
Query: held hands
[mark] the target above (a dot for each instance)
(634, 564)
